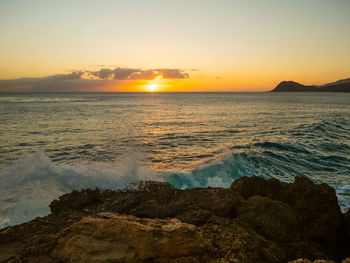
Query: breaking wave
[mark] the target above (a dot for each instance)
(29, 185)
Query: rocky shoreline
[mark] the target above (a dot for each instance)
(255, 220)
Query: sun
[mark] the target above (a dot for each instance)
(152, 87)
(155, 85)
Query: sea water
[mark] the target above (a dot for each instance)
(53, 143)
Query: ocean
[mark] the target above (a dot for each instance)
(53, 143)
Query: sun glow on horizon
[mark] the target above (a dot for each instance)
(155, 84)
(152, 87)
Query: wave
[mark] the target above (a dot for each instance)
(336, 127)
(29, 185)
(32, 182)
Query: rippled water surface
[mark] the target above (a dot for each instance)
(53, 143)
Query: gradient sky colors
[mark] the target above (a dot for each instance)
(217, 45)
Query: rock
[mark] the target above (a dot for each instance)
(256, 220)
(234, 241)
(272, 219)
(75, 200)
(277, 221)
(154, 186)
(155, 200)
(347, 230)
(315, 204)
(127, 239)
(254, 185)
(302, 260)
(197, 205)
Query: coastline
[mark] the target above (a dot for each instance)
(255, 220)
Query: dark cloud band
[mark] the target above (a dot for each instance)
(124, 74)
(86, 80)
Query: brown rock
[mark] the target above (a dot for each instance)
(316, 205)
(235, 241)
(272, 219)
(155, 200)
(303, 260)
(127, 239)
(256, 220)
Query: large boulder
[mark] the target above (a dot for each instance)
(316, 205)
(272, 219)
(234, 241)
(117, 238)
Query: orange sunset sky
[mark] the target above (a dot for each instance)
(171, 45)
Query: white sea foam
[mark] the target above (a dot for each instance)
(31, 183)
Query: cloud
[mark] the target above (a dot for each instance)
(87, 80)
(117, 73)
(137, 74)
(144, 74)
(71, 76)
(173, 73)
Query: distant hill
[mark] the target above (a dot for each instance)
(291, 86)
(342, 81)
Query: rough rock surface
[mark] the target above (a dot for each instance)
(315, 205)
(303, 260)
(256, 220)
(112, 237)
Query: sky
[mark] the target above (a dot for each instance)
(171, 45)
